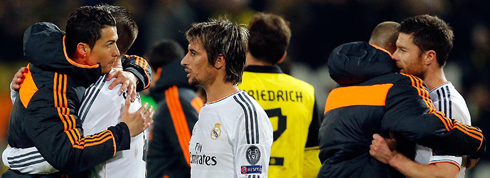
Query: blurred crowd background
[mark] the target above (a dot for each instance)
(317, 27)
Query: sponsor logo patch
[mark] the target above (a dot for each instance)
(255, 169)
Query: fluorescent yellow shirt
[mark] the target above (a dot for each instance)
(290, 105)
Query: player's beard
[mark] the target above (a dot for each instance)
(194, 82)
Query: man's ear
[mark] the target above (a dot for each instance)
(430, 57)
(220, 62)
(83, 50)
(283, 57)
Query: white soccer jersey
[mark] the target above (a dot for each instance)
(447, 100)
(102, 108)
(232, 138)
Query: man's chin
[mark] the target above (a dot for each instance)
(193, 82)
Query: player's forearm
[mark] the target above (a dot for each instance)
(410, 168)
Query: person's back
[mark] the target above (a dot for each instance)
(100, 109)
(347, 130)
(289, 102)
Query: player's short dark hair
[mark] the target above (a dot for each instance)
(225, 38)
(127, 30)
(269, 37)
(430, 33)
(163, 52)
(85, 25)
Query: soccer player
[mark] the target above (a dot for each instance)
(50, 101)
(372, 98)
(177, 112)
(233, 135)
(288, 102)
(423, 47)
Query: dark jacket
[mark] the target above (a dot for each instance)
(140, 68)
(177, 112)
(45, 113)
(371, 98)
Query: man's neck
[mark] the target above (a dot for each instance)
(252, 61)
(435, 78)
(219, 90)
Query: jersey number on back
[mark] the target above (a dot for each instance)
(281, 121)
(281, 127)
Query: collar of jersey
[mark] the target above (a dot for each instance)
(221, 99)
(440, 86)
(264, 69)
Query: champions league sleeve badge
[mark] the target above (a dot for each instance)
(216, 132)
(253, 157)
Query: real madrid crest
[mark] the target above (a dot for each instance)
(216, 132)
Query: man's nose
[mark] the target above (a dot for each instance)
(117, 53)
(182, 62)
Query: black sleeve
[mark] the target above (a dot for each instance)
(56, 131)
(411, 114)
(140, 68)
(314, 127)
(168, 152)
(161, 143)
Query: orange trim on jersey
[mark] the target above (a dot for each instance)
(468, 129)
(179, 120)
(197, 103)
(146, 64)
(62, 119)
(148, 81)
(448, 123)
(28, 88)
(373, 95)
(96, 137)
(140, 63)
(443, 120)
(68, 120)
(450, 162)
(98, 142)
(467, 133)
(380, 48)
(417, 83)
(222, 97)
(144, 68)
(65, 101)
(113, 142)
(75, 63)
(55, 94)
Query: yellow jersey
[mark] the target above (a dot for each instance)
(291, 107)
